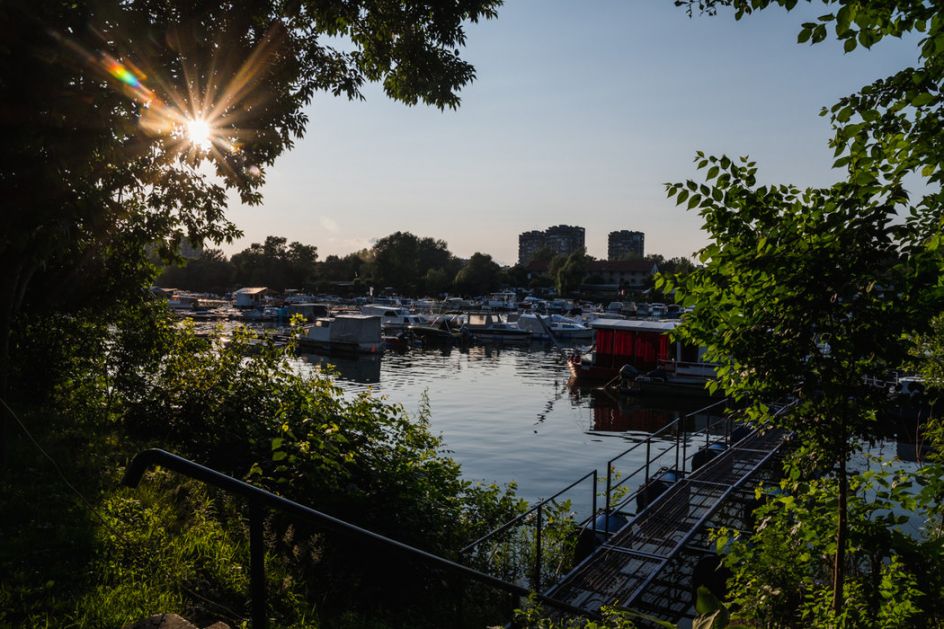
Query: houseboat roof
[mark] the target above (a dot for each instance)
(251, 290)
(633, 325)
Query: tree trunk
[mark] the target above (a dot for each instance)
(839, 568)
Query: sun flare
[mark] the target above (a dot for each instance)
(200, 134)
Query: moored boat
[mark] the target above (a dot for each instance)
(641, 350)
(491, 327)
(556, 326)
(351, 334)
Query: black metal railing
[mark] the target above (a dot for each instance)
(674, 436)
(260, 501)
(536, 515)
(679, 446)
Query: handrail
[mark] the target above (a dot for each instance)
(671, 424)
(507, 525)
(608, 508)
(259, 499)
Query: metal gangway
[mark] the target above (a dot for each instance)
(651, 529)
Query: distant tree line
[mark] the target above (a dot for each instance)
(401, 262)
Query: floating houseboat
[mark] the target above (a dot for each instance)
(349, 334)
(646, 347)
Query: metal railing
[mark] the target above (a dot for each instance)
(680, 448)
(260, 501)
(533, 519)
(537, 514)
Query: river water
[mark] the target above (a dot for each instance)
(506, 413)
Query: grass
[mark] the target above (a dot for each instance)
(167, 546)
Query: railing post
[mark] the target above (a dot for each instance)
(257, 586)
(684, 449)
(648, 449)
(536, 583)
(609, 485)
(677, 446)
(593, 508)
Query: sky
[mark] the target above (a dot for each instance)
(579, 114)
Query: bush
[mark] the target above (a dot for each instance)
(357, 458)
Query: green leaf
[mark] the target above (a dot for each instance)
(705, 601)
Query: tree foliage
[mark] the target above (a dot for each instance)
(402, 261)
(276, 264)
(869, 281)
(91, 175)
(571, 273)
(210, 273)
(480, 275)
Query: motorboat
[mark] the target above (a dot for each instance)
(505, 300)
(393, 318)
(441, 330)
(556, 326)
(493, 327)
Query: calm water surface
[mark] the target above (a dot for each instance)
(506, 414)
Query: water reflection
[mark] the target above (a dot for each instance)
(506, 413)
(363, 370)
(613, 412)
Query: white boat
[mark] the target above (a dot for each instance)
(562, 328)
(393, 318)
(344, 333)
(455, 303)
(505, 300)
(492, 327)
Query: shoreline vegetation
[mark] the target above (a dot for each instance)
(115, 555)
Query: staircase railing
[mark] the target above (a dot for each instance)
(261, 500)
(534, 519)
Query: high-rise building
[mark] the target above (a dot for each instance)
(529, 243)
(564, 239)
(624, 243)
(561, 239)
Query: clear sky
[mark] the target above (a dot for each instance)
(580, 112)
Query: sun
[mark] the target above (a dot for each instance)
(200, 134)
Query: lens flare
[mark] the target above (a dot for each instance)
(199, 133)
(123, 74)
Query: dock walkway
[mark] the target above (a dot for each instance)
(649, 564)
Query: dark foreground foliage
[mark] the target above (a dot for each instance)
(235, 403)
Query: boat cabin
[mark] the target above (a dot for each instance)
(642, 344)
(352, 333)
(505, 300)
(250, 297)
